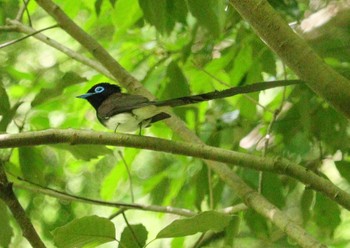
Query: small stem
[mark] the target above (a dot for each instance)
(129, 175)
(131, 230)
(9, 43)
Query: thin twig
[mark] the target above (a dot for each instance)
(21, 11)
(120, 211)
(67, 51)
(131, 230)
(269, 129)
(69, 197)
(25, 37)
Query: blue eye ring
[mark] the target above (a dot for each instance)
(99, 89)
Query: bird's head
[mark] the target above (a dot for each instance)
(100, 92)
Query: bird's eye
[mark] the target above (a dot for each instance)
(99, 89)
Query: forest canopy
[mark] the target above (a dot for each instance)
(264, 167)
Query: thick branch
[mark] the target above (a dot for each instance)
(10, 199)
(277, 165)
(295, 52)
(250, 197)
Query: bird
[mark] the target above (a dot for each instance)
(121, 111)
(125, 112)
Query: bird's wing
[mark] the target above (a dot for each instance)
(120, 103)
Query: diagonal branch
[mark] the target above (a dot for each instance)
(10, 199)
(295, 52)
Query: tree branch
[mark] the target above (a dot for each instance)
(20, 27)
(295, 52)
(249, 196)
(69, 197)
(276, 165)
(10, 199)
(9, 43)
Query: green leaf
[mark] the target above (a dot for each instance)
(201, 186)
(98, 4)
(32, 164)
(272, 189)
(4, 101)
(6, 232)
(307, 199)
(210, 14)
(127, 239)
(256, 223)
(242, 63)
(164, 14)
(112, 2)
(326, 214)
(177, 85)
(70, 78)
(232, 230)
(85, 152)
(125, 14)
(8, 116)
(178, 10)
(89, 231)
(203, 222)
(156, 13)
(344, 169)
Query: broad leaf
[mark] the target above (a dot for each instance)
(32, 164)
(203, 222)
(89, 231)
(210, 14)
(326, 214)
(136, 237)
(344, 169)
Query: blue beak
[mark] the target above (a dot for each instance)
(85, 95)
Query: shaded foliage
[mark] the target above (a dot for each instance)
(175, 48)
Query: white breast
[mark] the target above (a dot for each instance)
(130, 122)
